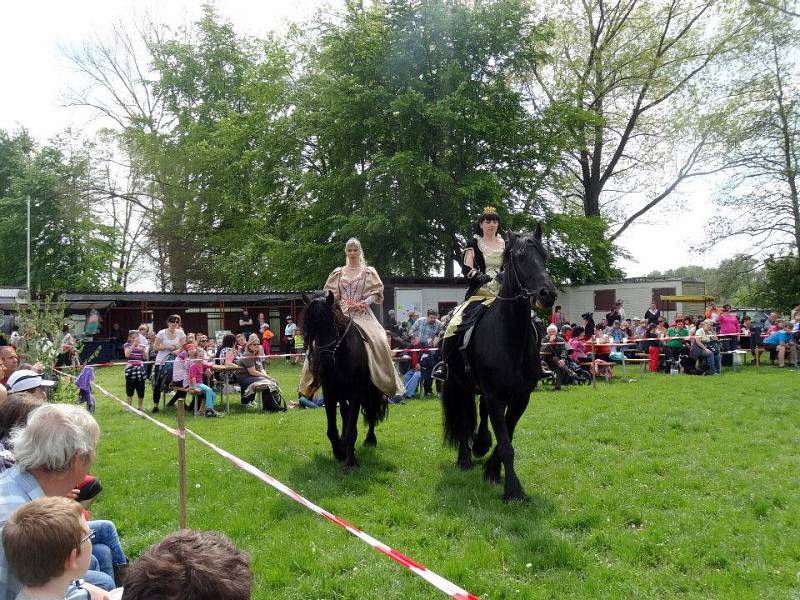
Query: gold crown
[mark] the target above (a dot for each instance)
(489, 210)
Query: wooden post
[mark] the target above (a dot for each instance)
(181, 465)
(593, 364)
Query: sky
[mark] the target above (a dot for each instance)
(34, 72)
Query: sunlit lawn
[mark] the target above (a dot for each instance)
(670, 486)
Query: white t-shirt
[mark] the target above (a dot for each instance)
(177, 341)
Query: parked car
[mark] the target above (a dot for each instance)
(758, 315)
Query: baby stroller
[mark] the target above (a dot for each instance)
(578, 375)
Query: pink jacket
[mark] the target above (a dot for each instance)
(728, 323)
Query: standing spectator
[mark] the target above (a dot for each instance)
(288, 336)
(245, 323)
(262, 323)
(620, 310)
(190, 564)
(266, 340)
(612, 315)
(117, 338)
(409, 322)
(729, 328)
(66, 356)
(652, 315)
(168, 341)
(299, 347)
(557, 318)
(135, 373)
(712, 312)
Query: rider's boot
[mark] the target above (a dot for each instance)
(440, 371)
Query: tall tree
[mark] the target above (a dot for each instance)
(411, 125)
(760, 200)
(635, 71)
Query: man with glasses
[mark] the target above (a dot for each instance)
(54, 453)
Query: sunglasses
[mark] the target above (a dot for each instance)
(88, 537)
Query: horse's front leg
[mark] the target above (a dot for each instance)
(483, 439)
(331, 402)
(349, 435)
(504, 453)
(514, 411)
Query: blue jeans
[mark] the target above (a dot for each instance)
(411, 381)
(306, 403)
(211, 397)
(97, 577)
(106, 547)
(712, 362)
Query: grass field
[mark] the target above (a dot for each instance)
(667, 487)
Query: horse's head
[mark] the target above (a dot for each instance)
(321, 321)
(524, 266)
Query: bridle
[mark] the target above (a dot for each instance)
(524, 293)
(332, 346)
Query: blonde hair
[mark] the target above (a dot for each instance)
(354, 242)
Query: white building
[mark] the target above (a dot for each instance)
(404, 294)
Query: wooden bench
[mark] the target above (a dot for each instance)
(637, 361)
(601, 368)
(190, 392)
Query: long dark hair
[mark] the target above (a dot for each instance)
(487, 215)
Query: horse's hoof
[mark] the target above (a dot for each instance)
(465, 464)
(515, 496)
(371, 441)
(481, 446)
(350, 466)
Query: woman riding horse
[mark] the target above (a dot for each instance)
(355, 286)
(498, 357)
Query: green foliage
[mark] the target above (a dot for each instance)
(780, 288)
(69, 248)
(652, 489)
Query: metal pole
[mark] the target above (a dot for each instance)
(28, 247)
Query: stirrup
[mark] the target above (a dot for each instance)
(439, 371)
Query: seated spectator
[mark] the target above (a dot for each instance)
(251, 370)
(744, 333)
(413, 374)
(195, 382)
(578, 345)
(615, 333)
(566, 331)
(54, 453)
(771, 324)
(661, 328)
(554, 354)
(703, 347)
(588, 325)
(778, 342)
(194, 565)
(14, 413)
(675, 345)
(315, 402)
(25, 380)
(3, 390)
(48, 546)
(602, 347)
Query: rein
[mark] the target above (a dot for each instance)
(337, 342)
(523, 294)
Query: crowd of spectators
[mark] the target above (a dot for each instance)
(699, 344)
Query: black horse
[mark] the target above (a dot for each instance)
(337, 358)
(503, 356)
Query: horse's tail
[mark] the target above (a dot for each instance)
(375, 407)
(460, 414)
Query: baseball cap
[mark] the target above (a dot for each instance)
(23, 380)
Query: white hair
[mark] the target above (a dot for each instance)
(354, 242)
(551, 329)
(52, 437)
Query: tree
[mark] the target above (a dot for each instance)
(411, 125)
(760, 199)
(634, 70)
(780, 289)
(69, 249)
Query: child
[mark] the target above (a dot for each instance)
(266, 340)
(48, 546)
(196, 368)
(298, 348)
(135, 373)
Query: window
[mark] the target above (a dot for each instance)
(446, 307)
(664, 304)
(604, 300)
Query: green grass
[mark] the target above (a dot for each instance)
(669, 487)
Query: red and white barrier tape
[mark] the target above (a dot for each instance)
(434, 579)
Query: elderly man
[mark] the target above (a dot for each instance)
(54, 453)
(10, 360)
(429, 330)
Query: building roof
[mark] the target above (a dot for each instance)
(105, 299)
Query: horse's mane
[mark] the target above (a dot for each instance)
(317, 319)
